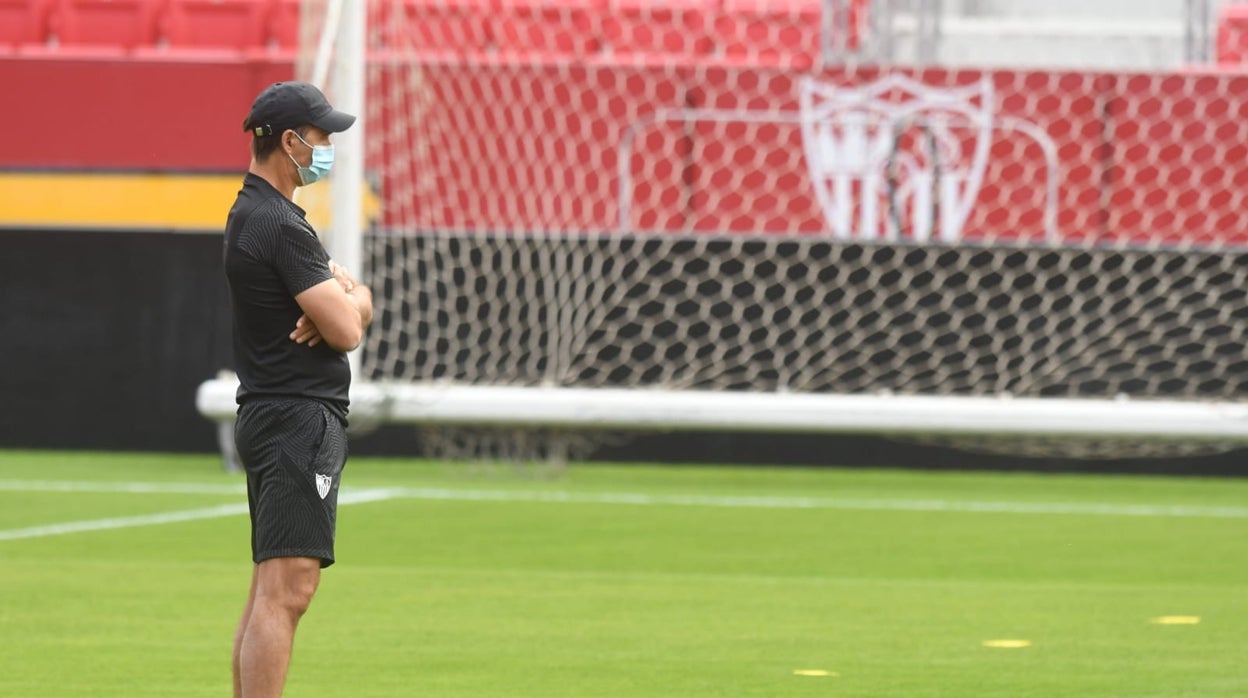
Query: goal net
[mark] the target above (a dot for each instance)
(744, 198)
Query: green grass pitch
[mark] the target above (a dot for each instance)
(635, 581)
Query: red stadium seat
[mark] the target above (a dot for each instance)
(658, 27)
(566, 27)
(121, 24)
(453, 26)
(1232, 42)
(24, 21)
(283, 24)
(770, 32)
(230, 24)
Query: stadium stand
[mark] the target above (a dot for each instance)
(785, 32)
(283, 25)
(656, 27)
(1108, 34)
(1232, 37)
(1105, 34)
(24, 22)
(233, 24)
(563, 28)
(118, 24)
(147, 28)
(437, 25)
(781, 32)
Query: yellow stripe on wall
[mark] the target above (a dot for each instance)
(143, 201)
(86, 200)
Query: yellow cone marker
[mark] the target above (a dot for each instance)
(814, 672)
(1177, 620)
(1007, 644)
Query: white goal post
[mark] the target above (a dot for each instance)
(669, 410)
(637, 215)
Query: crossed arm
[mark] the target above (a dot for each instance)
(335, 311)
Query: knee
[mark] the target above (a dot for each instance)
(288, 588)
(298, 597)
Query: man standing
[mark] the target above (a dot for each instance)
(296, 313)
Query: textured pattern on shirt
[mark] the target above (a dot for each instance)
(272, 255)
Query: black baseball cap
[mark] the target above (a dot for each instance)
(285, 105)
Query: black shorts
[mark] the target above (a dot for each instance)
(293, 450)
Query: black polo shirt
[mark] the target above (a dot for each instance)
(271, 255)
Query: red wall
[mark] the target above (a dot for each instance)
(530, 145)
(108, 112)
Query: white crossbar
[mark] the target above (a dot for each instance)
(670, 410)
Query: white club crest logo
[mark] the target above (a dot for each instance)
(896, 157)
(323, 483)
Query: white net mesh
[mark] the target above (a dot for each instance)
(718, 195)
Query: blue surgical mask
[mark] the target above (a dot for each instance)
(322, 161)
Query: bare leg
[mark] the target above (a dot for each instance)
(242, 628)
(283, 589)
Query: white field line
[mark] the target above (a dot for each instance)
(639, 499)
(977, 507)
(120, 487)
(166, 517)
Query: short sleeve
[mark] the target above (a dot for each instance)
(300, 259)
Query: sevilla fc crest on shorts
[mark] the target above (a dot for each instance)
(323, 483)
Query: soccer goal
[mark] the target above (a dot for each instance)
(736, 214)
